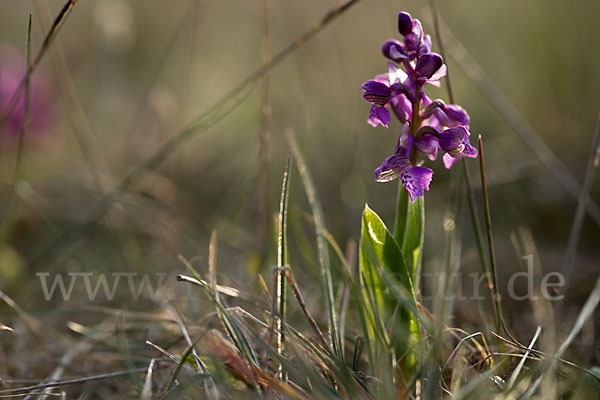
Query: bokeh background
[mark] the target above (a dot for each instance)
(124, 76)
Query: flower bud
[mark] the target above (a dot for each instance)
(405, 23)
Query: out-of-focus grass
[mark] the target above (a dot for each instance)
(143, 70)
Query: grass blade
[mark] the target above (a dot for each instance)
(323, 251)
(185, 355)
(584, 197)
(280, 290)
(470, 196)
(515, 119)
(515, 373)
(52, 32)
(490, 239)
(147, 389)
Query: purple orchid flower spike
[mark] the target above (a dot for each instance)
(429, 126)
(414, 178)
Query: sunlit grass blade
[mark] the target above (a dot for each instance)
(280, 290)
(147, 389)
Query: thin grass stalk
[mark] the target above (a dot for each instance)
(490, 241)
(230, 324)
(180, 364)
(585, 313)
(74, 381)
(147, 389)
(280, 291)
(510, 113)
(470, 195)
(209, 384)
(81, 126)
(515, 374)
(593, 161)
(170, 356)
(52, 32)
(300, 299)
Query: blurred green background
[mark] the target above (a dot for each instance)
(139, 71)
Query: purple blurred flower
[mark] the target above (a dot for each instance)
(12, 70)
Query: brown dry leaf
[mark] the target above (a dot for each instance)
(224, 350)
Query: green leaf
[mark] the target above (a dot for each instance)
(385, 247)
(381, 265)
(409, 231)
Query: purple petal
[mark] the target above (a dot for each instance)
(391, 168)
(396, 75)
(427, 144)
(451, 140)
(405, 141)
(469, 150)
(428, 64)
(401, 107)
(376, 92)
(378, 115)
(439, 74)
(449, 116)
(394, 50)
(457, 115)
(432, 107)
(425, 46)
(383, 78)
(405, 23)
(449, 161)
(416, 179)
